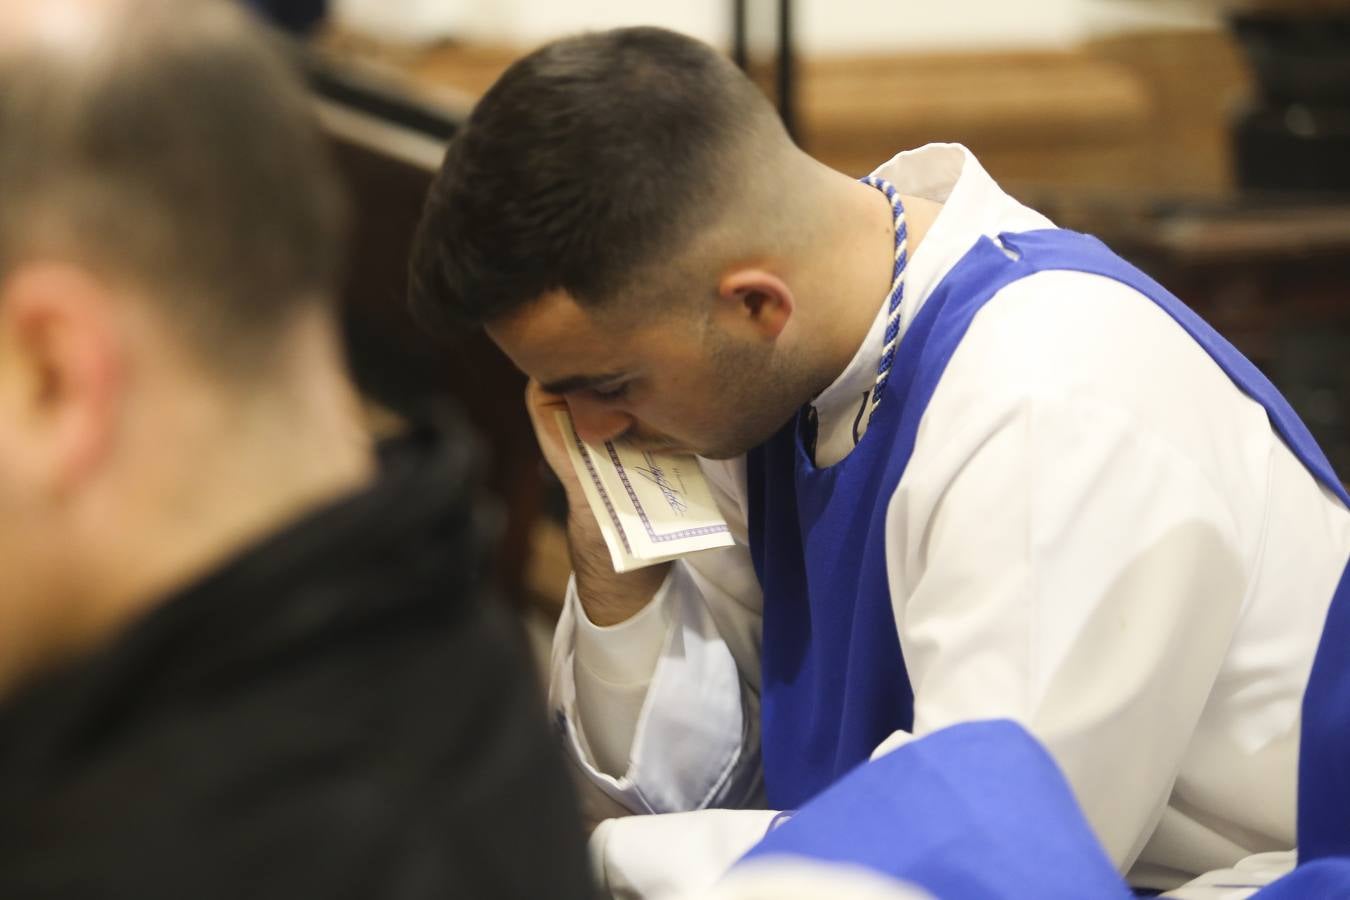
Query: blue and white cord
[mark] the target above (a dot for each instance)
(897, 294)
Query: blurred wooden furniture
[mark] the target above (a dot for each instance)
(1147, 110)
(388, 147)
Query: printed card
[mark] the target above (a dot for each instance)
(651, 506)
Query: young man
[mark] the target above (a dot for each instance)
(978, 468)
(240, 656)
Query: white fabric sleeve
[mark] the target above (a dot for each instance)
(795, 878)
(1068, 569)
(661, 712)
(1242, 880)
(677, 853)
(612, 668)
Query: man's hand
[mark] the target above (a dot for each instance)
(608, 597)
(543, 408)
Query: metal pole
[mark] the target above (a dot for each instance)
(740, 51)
(787, 80)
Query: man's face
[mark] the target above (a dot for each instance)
(674, 383)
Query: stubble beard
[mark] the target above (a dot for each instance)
(760, 392)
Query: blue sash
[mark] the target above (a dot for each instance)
(978, 810)
(834, 677)
(1324, 748)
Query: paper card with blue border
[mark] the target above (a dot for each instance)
(651, 506)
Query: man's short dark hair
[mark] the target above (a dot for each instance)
(177, 151)
(586, 162)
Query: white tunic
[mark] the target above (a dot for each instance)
(1098, 535)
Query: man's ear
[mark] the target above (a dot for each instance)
(756, 300)
(62, 371)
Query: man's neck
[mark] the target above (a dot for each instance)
(237, 464)
(858, 267)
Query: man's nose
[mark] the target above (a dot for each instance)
(596, 422)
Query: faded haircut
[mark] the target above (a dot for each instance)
(591, 160)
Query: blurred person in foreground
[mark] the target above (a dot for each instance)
(242, 652)
(977, 467)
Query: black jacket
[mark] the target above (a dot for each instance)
(336, 713)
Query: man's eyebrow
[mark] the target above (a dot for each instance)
(580, 382)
